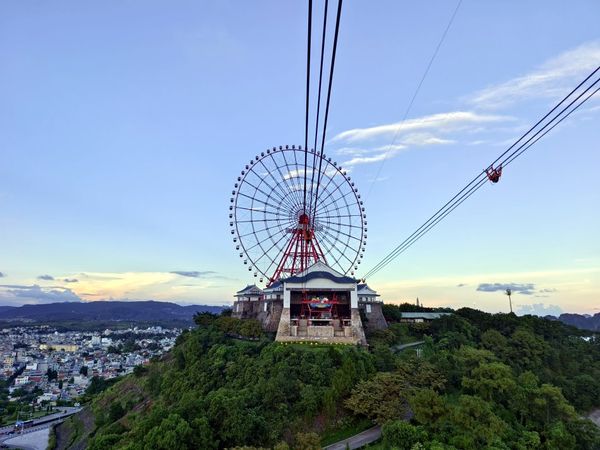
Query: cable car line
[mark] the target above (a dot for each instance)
(480, 179)
(308, 47)
(331, 69)
(414, 96)
(312, 178)
(444, 211)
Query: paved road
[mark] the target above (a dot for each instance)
(55, 418)
(36, 440)
(358, 440)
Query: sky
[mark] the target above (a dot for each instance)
(124, 124)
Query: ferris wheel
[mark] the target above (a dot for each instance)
(291, 208)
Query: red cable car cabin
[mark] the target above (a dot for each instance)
(494, 174)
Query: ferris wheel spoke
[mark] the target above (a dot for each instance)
(312, 180)
(329, 246)
(261, 211)
(280, 250)
(260, 201)
(293, 193)
(284, 195)
(261, 180)
(257, 264)
(258, 220)
(302, 182)
(341, 208)
(343, 254)
(255, 232)
(286, 176)
(338, 200)
(330, 179)
(349, 225)
(337, 217)
(349, 236)
(331, 193)
(282, 201)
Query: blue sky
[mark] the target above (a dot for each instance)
(124, 124)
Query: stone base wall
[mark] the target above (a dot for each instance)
(245, 309)
(357, 327)
(375, 319)
(297, 333)
(268, 315)
(271, 317)
(284, 327)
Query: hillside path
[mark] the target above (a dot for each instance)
(358, 440)
(594, 416)
(399, 348)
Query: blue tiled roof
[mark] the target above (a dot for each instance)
(319, 274)
(250, 288)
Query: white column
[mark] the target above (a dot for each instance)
(353, 298)
(287, 297)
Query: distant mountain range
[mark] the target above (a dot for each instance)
(105, 312)
(582, 321)
(109, 313)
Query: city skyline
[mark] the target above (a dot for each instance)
(124, 127)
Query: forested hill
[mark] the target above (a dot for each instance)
(105, 312)
(479, 381)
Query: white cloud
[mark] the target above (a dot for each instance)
(368, 159)
(371, 155)
(34, 294)
(422, 139)
(442, 122)
(552, 79)
(366, 145)
(539, 309)
(297, 173)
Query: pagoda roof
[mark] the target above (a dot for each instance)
(250, 289)
(366, 290)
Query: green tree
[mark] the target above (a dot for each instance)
(307, 441)
(382, 398)
(398, 434)
(115, 411)
(559, 438)
(205, 319)
(173, 432)
(427, 406)
(473, 424)
(491, 381)
(494, 341)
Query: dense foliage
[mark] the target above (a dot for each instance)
(478, 381)
(217, 391)
(488, 381)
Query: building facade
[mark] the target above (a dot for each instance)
(317, 304)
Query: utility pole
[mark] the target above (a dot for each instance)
(509, 293)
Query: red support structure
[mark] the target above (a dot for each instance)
(301, 251)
